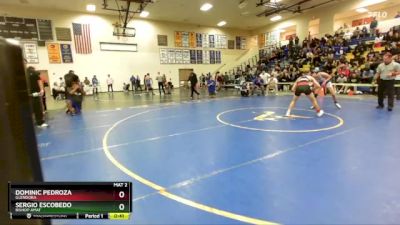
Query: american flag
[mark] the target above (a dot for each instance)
(82, 38)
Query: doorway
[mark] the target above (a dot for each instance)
(184, 76)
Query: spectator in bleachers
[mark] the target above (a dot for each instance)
(364, 32)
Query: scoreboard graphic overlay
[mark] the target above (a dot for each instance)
(65, 200)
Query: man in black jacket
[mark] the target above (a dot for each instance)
(36, 89)
(193, 83)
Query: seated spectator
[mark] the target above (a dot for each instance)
(86, 81)
(353, 79)
(272, 85)
(125, 87)
(58, 91)
(341, 80)
(258, 84)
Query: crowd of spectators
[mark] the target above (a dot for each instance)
(350, 57)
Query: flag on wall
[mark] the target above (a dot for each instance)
(82, 38)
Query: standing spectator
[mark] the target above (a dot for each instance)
(386, 74)
(219, 80)
(95, 84)
(296, 40)
(133, 82)
(110, 83)
(373, 26)
(148, 82)
(193, 84)
(138, 85)
(167, 85)
(37, 90)
(211, 87)
(45, 84)
(159, 79)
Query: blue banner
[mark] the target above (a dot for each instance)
(66, 53)
(199, 57)
(212, 57)
(192, 56)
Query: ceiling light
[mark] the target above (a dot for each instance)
(206, 7)
(276, 18)
(91, 7)
(144, 14)
(361, 10)
(222, 23)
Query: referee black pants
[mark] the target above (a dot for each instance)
(386, 86)
(193, 89)
(38, 110)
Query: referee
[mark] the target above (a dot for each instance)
(386, 74)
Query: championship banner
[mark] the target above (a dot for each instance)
(186, 56)
(199, 40)
(163, 56)
(192, 40)
(199, 57)
(30, 52)
(178, 39)
(205, 40)
(53, 51)
(66, 53)
(211, 39)
(185, 39)
(206, 57)
(178, 56)
(218, 57)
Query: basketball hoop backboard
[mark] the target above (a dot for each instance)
(124, 32)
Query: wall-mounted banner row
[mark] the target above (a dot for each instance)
(189, 56)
